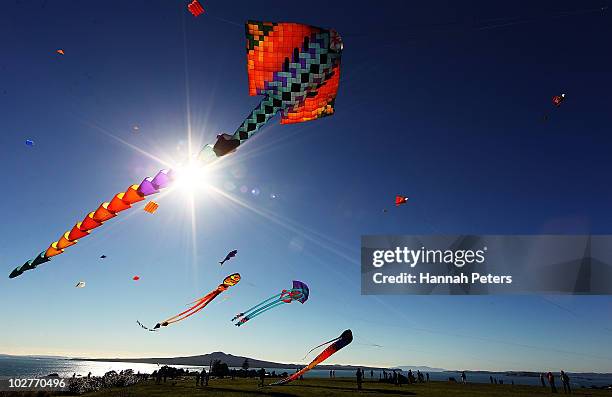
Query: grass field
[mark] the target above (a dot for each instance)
(329, 387)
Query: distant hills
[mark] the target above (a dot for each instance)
(421, 368)
(229, 359)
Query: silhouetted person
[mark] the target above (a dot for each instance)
(371, 374)
(410, 377)
(203, 377)
(551, 381)
(542, 380)
(359, 378)
(395, 378)
(463, 377)
(262, 376)
(491, 379)
(197, 379)
(330, 374)
(427, 374)
(495, 380)
(566, 383)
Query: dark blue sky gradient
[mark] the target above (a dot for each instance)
(441, 101)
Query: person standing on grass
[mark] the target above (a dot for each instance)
(262, 376)
(542, 380)
(427, 374)
(551, 381)
(463, 377)
(330, 374)
(566, 383)
(203, 377)
(197, 376)
(371, 374)
(359, 378)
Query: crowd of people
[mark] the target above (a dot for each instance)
(550, 377)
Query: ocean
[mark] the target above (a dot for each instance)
(13, 366)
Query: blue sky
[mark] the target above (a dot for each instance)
(439, 101)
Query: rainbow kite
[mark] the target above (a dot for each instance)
(107, 210)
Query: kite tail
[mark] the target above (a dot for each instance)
(145, 327)
(322, 344)
(201, 304)
(266, 109)
(255, 307)
(258, 312)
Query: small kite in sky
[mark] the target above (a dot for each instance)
(399, 200)
(80, 284)
(229, 256)
(201, 303)
(299, 292)
(336, 344)
(557, 99)
(195, 8)
(60, 52)
(136, 278)
(135, 128)
(29, 142)
(102, 256)
(151, 207)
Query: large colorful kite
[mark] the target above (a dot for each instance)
(201, 303)
(336, 344)
(297, 70)
(107, 210)
(299, 292)
(295, 67)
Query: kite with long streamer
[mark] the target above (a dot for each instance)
(295, 67)
(299, 292)
(201, 303)
(336, 344)
(106, 211)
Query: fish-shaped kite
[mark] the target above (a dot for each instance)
(299, 292)
(201, 303)
(229, 256)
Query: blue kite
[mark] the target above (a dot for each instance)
(299, 292)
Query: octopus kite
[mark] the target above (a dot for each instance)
(201, 303)
(299, 292)
(336, 344)
(295, 67)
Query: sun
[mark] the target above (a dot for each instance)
(191, 177)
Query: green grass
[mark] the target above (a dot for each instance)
(330, 387)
